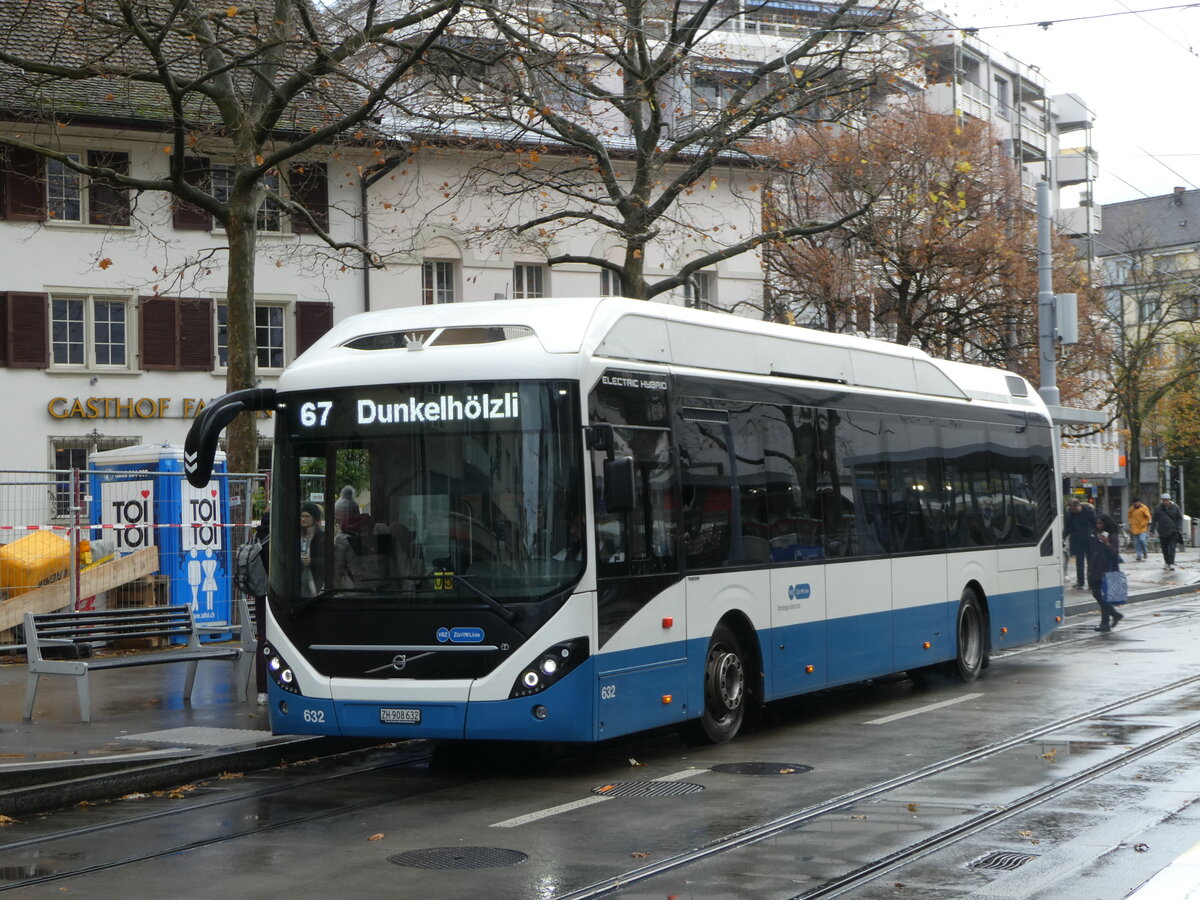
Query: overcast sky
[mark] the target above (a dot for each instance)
(1138, 71)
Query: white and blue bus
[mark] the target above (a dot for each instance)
(577, 519)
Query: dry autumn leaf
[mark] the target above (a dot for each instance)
(376, 837)
(104, 263)
(639, 854)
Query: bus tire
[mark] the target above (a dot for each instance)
(725, 688)
(970, 638)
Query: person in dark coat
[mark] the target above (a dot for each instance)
(312, 553)
(1104, 556)
(262, 534)
(1079, 527)
(1168, 522)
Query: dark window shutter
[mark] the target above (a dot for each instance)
(27, 331)
(195, 334)
(3, 328)
(25, 192)
(187, 217)
(312, 321)
(108, 204)
(157, 332)
(308, 185)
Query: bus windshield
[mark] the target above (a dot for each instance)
(455, 493)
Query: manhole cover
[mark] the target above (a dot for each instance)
(1004, 860)
(458, 858)
(761, 768)
(647, 789)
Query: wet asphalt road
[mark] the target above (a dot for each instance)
(1034, 768)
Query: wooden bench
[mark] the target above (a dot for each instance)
(76, 630)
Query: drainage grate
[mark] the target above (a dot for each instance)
(761, 768)
(458, 858)
(1004, 860)
(22, 872)
(647, 789)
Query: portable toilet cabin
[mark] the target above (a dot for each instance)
(139, 498)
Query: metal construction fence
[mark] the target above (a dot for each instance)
(119, 536)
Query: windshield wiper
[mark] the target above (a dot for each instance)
(383, 584)
(503, 611)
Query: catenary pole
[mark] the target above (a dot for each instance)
(1048, 374)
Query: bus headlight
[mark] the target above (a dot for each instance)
(549, 666)
(281, 673)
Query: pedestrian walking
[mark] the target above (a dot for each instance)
(263, 535)
(1168, 523)
(1079, 526)
(1104, 555)
(1139, 528)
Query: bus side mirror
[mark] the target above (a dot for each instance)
(618, 485)
(200, 446)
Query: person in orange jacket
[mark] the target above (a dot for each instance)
(1139, 528)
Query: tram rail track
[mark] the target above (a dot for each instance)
(733, 841)
(259, 793)
(814, 812)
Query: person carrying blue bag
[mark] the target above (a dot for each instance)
(1104, 559)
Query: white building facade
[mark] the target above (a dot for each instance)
(112, 316)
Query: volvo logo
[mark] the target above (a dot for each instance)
(398, 663)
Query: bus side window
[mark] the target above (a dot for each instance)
(641, 541)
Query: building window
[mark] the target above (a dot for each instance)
(265, 445)
(528, 281)
(1148, 308)
(1000, 90)
(68, 453)
(270, 213)
(437, 281)
(64, 194)
(610, 283)
(72, 197)
(89, 332)
(268, 336)
(697, 291)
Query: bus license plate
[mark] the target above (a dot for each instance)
(400, 716)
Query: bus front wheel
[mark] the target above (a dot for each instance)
(970, 634)
(724, 688)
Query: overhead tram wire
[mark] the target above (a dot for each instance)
(1168, 168)
(1165, 34)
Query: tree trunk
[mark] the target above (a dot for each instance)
(633, 277)
(242, 433)
(1133, 460)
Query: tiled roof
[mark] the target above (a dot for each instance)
(91, 36)
(1151, 223)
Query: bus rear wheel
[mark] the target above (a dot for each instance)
(970, 638)
(724, 688)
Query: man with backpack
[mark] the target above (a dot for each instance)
(250, 573)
